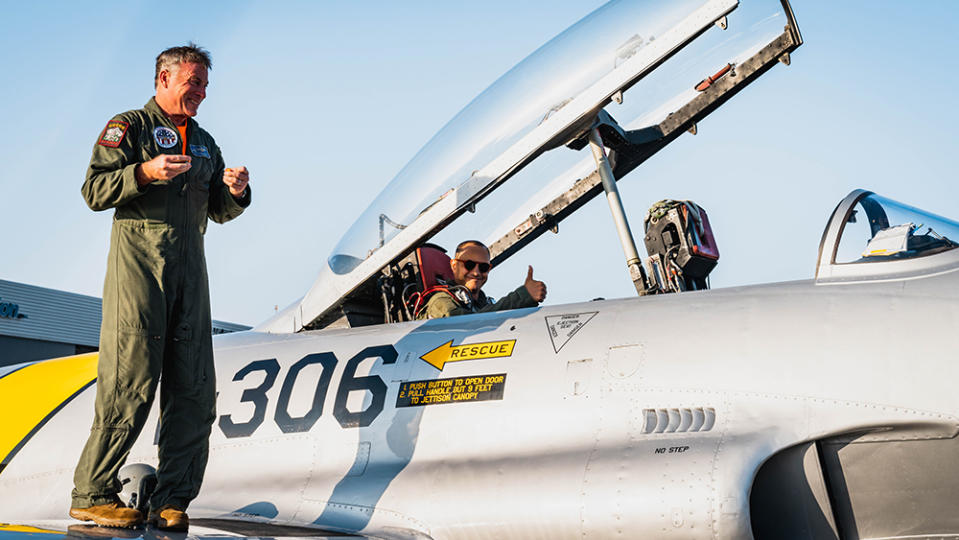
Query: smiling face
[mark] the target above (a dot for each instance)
(181, 89)
(474, 278)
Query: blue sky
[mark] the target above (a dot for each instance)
(326, 101)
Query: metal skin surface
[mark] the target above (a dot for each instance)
(572, 450)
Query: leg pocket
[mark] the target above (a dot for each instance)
(139, 354)
(127, 381)
(184, 365)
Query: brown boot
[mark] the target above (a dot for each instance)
(109, 515)
(169, 517)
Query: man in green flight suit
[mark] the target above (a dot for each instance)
(164, 177)
(471, 266)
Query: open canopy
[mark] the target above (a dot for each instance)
(549, 100)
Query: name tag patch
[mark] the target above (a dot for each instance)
(199, 150)
(113, 134)
(165, 137)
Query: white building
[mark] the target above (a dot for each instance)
(38, 323)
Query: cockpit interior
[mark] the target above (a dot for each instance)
(869, 236)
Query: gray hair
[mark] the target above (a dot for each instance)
(174, 56)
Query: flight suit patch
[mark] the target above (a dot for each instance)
(113, 134)
(198, 150)
(165, 137)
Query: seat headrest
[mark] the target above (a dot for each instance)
(434, 266)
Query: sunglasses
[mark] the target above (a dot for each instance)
(470, 265)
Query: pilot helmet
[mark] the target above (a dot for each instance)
(137, 482)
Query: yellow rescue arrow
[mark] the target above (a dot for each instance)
(446, 352)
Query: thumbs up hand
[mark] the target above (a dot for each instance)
(536, 289)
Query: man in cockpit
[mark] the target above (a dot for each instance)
(471, 265)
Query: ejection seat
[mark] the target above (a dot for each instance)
(681, 246)
(434, 275)
(434, 266)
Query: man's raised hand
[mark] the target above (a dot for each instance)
(236, 179)
(536, 289)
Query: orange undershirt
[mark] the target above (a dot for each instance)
(182, 130)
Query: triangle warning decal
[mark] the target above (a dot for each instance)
(562, 328)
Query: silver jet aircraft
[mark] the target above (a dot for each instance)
(823, 408)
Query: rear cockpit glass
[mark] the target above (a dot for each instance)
(508, 110)
(879, 229)
(750, 26)
(536, 89)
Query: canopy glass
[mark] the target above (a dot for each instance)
(880, 229)
(513, 106)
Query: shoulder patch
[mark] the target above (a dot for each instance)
(113, 134)
(165, 137)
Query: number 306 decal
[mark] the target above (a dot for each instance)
(290, 424)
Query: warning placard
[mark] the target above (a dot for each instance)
(454, 390)
(562, 328)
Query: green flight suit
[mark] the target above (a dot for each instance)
(156, 306)
(442, 304)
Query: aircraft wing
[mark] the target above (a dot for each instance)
(200, 529)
